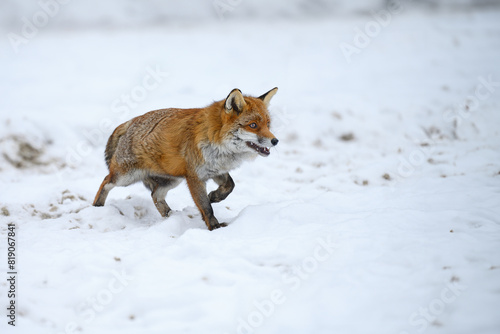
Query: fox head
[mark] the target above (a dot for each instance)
(249, 121)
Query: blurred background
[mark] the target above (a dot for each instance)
(135, 14)
(387, 114)
(89, 60)
(211, 37)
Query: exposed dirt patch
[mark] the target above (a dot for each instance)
(139, 212)
(386, 177)
(5, 211)
(20, 153)
(347, 137)
(66, 204)
(23, 153)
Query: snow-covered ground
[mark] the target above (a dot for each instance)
(378, 212)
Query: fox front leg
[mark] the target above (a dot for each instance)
(198, 191)
(226, 186)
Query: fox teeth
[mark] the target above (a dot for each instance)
(261, 150)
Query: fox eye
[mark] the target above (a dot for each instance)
(253, 125)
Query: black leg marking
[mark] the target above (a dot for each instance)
(226, 186)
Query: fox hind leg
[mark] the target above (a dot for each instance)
(115, 179)
(102, 193)
(159, 187)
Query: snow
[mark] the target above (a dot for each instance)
(130, 13)
(376, 213)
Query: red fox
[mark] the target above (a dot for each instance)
(163, 147)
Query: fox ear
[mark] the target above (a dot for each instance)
(235, 102)
(266, 98)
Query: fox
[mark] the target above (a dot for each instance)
(163, 147)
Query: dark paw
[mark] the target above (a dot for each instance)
(214, 197)
(166, 214)
(216, 226)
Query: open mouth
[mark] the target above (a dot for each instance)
(264, 151)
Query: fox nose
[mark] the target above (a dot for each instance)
(274, 141)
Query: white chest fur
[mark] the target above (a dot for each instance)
(221, 158)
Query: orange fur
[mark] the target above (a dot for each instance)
(164, 145)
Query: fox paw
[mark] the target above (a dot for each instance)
(167, 213)
(214, 197)
(216, 226)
